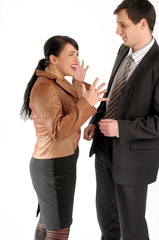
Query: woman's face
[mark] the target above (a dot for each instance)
(67, 61)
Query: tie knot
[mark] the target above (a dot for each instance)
(129, 61)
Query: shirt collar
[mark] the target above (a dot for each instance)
(138, 55)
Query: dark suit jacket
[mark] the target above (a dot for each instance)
(135, 154)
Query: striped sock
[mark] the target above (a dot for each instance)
(61, 234)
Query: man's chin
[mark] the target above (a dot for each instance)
(126, 44)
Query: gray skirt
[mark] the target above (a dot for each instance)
(54, 182)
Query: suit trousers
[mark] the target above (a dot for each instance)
(120, 209)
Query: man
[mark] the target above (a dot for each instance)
(126, 128)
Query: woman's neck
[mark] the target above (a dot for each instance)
(54, 71)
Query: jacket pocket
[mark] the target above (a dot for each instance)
(144, 144)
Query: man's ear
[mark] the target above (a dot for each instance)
(143, 23)
(53, 59)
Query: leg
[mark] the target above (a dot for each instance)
(40, 232)
(131, 206)
(61, 234)
(107, 212)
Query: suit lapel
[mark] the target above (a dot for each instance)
(143, 67)
(121, 54)
(123, 51)
(137, 75)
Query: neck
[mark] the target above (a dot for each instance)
(142, 43)
(54, 71)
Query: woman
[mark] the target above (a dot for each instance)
(58, 109)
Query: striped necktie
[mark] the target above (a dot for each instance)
(117, 90)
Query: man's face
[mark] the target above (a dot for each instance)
(129, 32)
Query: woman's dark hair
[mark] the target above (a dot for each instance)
(137, 10)
(53, 46)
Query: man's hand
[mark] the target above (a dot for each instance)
(89, 132)
(109, 127)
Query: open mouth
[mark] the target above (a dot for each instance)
(73, 67)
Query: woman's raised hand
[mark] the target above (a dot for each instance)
(80, 72)
(93, 95)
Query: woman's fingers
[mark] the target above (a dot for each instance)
(101, 86)
(103, 99)
(82, 64)
(86, 68)
(95, 83)
(94, 94)
(102, 92)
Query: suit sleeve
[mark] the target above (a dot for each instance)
(96, 117)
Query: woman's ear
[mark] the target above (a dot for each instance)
(53, 59)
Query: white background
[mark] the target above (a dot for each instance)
(24, 27)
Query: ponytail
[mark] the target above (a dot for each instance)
(25, 110)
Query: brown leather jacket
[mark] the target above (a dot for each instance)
(58, 112)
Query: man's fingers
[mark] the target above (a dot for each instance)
(107, 120)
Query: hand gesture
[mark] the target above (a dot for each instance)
(80, 72)
(93, 95)
(89, 132)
